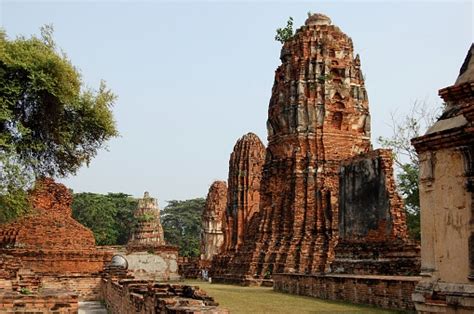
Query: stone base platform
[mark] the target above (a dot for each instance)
(153, 263)
(442, 297)
(390, 292)
(391, 258)
(189, 267)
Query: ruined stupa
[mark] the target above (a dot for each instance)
(148, 233)
(212, 234)
(243, 199)
(147, 254)
(46, 248)
(48, 240)
(318, 115)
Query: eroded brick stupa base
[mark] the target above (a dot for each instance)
(50, 250)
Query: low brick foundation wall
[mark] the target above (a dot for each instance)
(48, 301)
(391, 292)
(189, 267)
(141, 296)
(57, 261)
(86, 287)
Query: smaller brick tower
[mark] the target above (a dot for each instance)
(243, 199)
(213, 217)
(149, 232)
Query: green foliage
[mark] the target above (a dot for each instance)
(13, 197)
(267, 275)
(324, 78)
(110, 217)
(286, 33)
(146, 217)
(14, 203)
(181, 221)
(25, 291)
(49, 123)
(408, 186)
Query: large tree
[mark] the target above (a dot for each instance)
(181, 222)
(50, 124)
(110, 217)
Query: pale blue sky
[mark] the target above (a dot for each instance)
(192, 77)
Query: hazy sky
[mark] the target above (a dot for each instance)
(193, 77)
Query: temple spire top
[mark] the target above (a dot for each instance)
(317, 19)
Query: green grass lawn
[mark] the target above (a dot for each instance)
(264, 300)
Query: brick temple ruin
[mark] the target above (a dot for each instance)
(213, 215)
(329, 221)
(243, 199)
(446, 155)
(50, 250)
(314, 213)
(149, 232)
(49, 262)
(147, 254)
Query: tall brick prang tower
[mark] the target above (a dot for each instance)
(318, 115)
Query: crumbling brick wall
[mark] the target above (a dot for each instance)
(135, 296)
(370, 209)
(49, 244)
(373, 236)
(380, 291)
